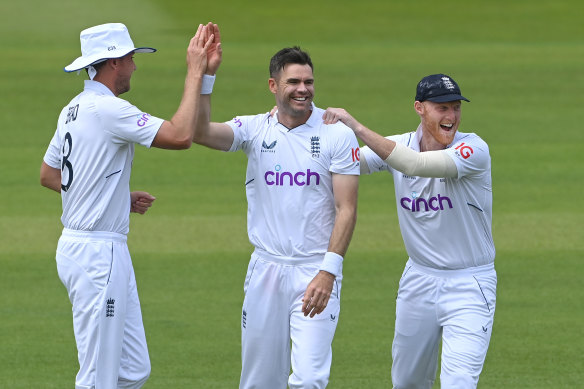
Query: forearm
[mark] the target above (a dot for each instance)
(50, 177)
(203, 125)
(435, 164)
(185, 118)
(344, 226)
(380, 145)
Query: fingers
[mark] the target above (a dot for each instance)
(215, 30)
(141, 201)
(198, 35)
(314, 303)
(142, 204)
(209, 42)
(332, 115)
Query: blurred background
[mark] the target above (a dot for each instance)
(519, 62)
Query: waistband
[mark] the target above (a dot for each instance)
(93, 235)
(466, 272)
(262, 254)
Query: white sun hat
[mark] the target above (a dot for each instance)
(98, 43)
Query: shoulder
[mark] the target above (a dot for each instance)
(407, 138)
(335, 130)
(111, 106)
(250, 121)
(339, 129)
(469, 141)
(469, 137)
(470, 153)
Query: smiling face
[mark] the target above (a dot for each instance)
(293, 88)
(440, 122)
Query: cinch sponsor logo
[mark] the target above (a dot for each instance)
(280, 178)
(142, 120)
(420, 204)
(238, 122)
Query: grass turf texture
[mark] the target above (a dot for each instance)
(520, 63)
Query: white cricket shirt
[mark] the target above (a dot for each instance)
(445, 222)
(288, 184)
(93, 147)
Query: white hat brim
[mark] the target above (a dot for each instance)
(83, 62)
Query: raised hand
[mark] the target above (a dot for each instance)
(197, 50)
(333, 115)
(214, 51)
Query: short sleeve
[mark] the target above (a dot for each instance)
(240, 126)
(245, 128)
(53, 155)
(127, 123)
(471, 155)
(345, 154)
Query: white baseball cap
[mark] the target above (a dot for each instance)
(98, 43)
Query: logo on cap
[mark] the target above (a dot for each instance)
(448, 83)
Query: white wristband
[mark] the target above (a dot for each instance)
(332, 263)
(207, 85)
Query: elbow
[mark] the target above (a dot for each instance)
(184, 144)
(43, 181)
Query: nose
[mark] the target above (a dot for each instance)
(302, 87)
(451, 114)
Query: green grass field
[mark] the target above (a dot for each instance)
(519, 62)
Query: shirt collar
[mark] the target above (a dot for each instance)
(417, 138)
(313, 119)
(98, 87)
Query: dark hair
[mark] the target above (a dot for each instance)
(287, 56)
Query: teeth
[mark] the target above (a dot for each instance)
(300, 98)
(447, 125)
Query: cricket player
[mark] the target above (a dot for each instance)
(301, 185)
(88, 162)
(443, 192)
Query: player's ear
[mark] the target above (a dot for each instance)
(419, 107)
(273, 85)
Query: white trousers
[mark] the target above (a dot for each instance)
(97, 271)
(275, 334)
(455, 306)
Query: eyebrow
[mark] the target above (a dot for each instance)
(293, 79)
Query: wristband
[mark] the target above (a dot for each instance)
(332, 263)
(207, 85)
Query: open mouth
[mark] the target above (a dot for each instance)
(447, 127)
(299, 98)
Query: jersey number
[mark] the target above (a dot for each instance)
(66, 163)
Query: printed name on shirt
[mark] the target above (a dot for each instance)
(283, 178)
(72, 113)
(464, 151)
